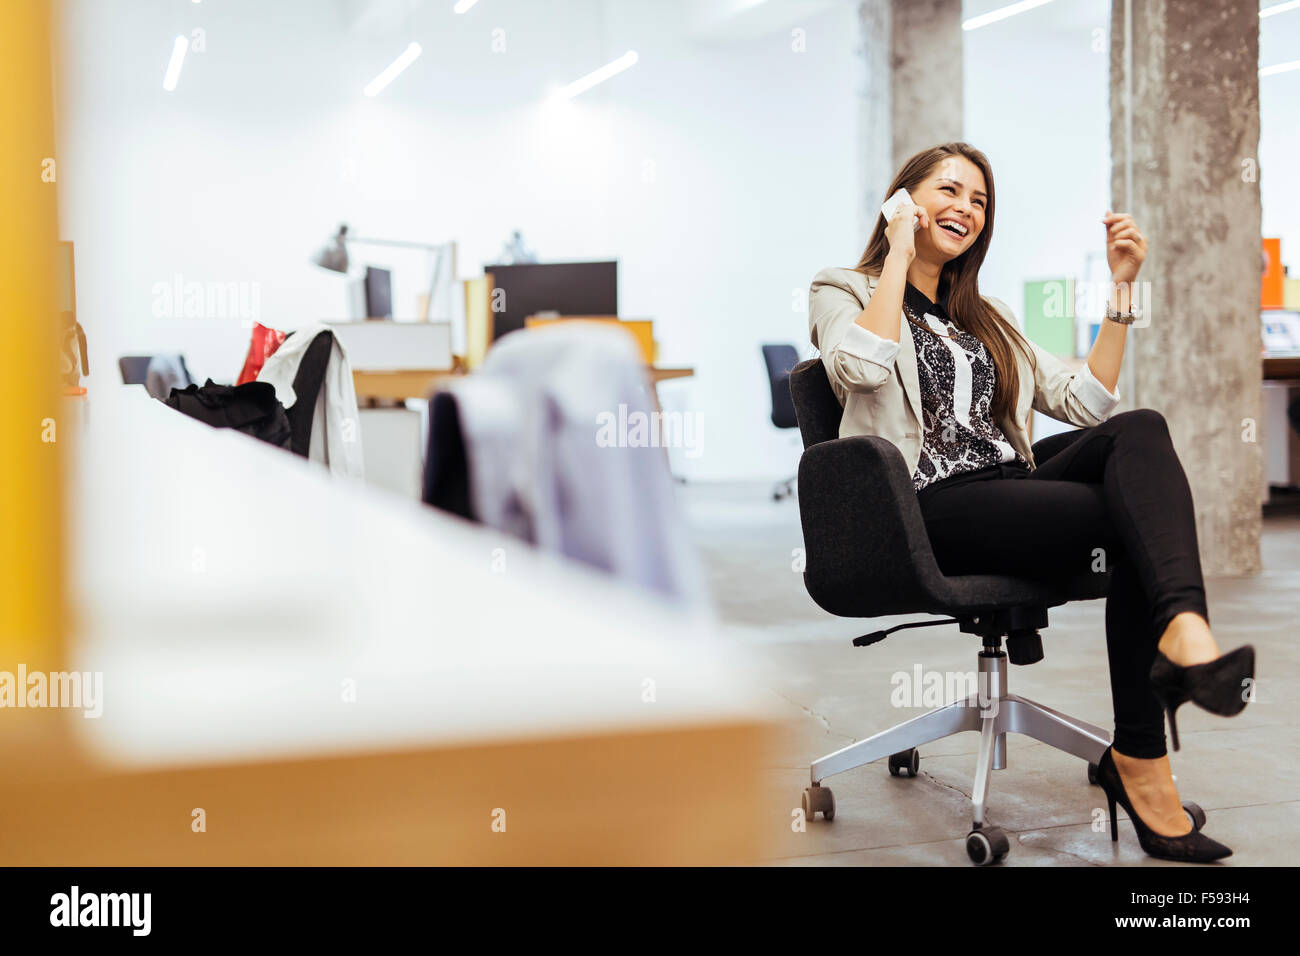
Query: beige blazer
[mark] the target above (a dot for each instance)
(876, 381)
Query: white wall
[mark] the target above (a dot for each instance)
(1037, 102)
(708, 170)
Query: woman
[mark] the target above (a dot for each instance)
(916, 355)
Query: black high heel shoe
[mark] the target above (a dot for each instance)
(1215, 685)
(1194, 847)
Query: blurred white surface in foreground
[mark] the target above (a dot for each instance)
(229, 591)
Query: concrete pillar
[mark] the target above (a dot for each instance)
(1188, 147)
(927, 68)
(905, 103)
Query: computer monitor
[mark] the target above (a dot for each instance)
(379, 293)
(566, 288)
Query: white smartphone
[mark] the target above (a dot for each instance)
(893, 202)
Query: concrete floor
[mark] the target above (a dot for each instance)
(1243, 771)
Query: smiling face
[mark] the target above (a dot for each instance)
(954, 195)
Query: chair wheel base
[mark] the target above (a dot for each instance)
(818, 799)
(986, 845)
(905, 761)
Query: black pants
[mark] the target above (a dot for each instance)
(1115, 494)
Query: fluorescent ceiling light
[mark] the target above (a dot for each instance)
(463, 5)
(1280, 68)
(179, 46)
(993, 16)
(1279, 8)
(391, 71)
(599, 76)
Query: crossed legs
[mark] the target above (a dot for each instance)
(1115, 498)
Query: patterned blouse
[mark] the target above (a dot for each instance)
(956, 377)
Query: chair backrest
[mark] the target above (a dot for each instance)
(780, 359)
(446, 462)
(307, 382)
(818, 410)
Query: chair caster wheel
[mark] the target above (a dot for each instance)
(1092, 773)
(1195, 814)
(818, 798)
(905, 760)
(987, 845)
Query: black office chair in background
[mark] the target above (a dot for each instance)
(876, 560)
(780, 359)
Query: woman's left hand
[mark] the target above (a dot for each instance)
(1126, 247)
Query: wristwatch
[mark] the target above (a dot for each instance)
(1123, 318)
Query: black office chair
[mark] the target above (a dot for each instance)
(780, 359)
(876, 560)
(446, 464)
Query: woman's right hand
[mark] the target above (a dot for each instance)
(901, 231)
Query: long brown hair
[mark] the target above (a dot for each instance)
(960, 276)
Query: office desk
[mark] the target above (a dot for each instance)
(337, 676)
(1281, 376)
(398, 386)
(658, 374)
(1281, 367)
(394, 459)
(418, 383)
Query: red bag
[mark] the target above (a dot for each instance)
(262, 347)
